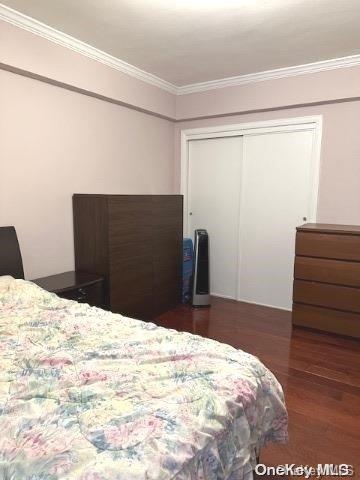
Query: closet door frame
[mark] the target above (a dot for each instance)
(288, 125)
(309, 123)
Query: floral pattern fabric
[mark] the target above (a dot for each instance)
(90, 395)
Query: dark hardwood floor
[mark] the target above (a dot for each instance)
(320, 374)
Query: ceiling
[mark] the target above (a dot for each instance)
(191, 41)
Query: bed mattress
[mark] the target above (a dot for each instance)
(89, 395)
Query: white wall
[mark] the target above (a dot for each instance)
(54, 143)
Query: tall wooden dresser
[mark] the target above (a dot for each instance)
(327, 278)
(135, 242)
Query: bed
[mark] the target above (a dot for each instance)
(90, 395)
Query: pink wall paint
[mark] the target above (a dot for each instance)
(303, 89)
(339, 189)
(22, 49)
(54, 143)
(33, 53)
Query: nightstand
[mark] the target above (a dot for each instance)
(80, 286)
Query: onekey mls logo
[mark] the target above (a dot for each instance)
(306, 471)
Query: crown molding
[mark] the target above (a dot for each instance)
(335, 63)
(38, 28)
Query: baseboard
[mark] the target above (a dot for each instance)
(227, 297)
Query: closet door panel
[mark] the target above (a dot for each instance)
(275, 199)
(214, 195)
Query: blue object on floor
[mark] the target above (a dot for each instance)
(188, 255)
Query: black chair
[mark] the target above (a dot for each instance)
(10, 255)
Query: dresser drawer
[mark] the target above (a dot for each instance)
(327, 271)
(325, 295)
(328, 245)
(334, 321)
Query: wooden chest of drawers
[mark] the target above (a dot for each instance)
(326, 292)
(135, 243)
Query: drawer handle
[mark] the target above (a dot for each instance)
(82, 295)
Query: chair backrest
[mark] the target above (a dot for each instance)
(10, 255)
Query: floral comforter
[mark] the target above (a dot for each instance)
(89, 395)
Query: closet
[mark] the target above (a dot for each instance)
(135, 241)
(250, 192)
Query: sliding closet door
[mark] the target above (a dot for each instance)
(276, 191)
(214, 194)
